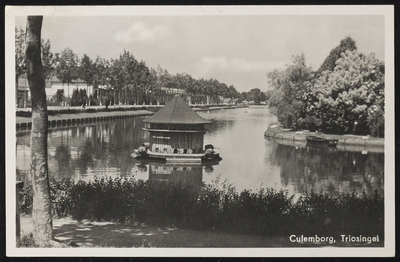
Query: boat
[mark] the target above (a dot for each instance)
(175, 156)
(161, 162)
(320, 141)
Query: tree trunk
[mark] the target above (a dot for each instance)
(41, 210)
(16, 90)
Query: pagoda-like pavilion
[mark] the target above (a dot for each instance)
(176, 128)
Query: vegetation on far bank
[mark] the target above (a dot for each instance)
(266, 212)
(344, 96)
(120, 80)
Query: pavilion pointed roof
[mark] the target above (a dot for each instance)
(176, 111)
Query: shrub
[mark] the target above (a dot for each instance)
(220, 207)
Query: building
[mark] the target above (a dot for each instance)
(56, 84)
(176, 128)
(23, 94)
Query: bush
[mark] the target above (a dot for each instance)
(79, 97)
(376, 122)
(265, 212)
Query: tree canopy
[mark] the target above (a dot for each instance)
(124, 79)
(347, 44)
(348, 98)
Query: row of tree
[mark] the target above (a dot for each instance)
(345, 95)
(254, 95)
(123, 80)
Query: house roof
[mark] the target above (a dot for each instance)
(176, 112)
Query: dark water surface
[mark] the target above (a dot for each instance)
(249, 160)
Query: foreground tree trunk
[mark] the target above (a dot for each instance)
(41, 210)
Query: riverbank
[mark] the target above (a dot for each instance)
(345, 142)
(82, 117)
(63, 116)
(85, 234)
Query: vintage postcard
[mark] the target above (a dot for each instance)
(200, 131)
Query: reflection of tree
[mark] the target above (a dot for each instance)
(328, 170)
(104, 148)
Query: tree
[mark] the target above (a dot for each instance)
(255, 95)
(351, 98)
(41, 209)
(79, 97)
(86, 71)
(66, 69)
(100, 69)
(48, 60)
(347, 44)
(59, 96)
(20, 58)
(287, 98)
(20, 61)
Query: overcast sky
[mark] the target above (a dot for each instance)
(236, 50)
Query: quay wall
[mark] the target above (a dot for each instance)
(56, 110)
(61, 116)
(61, 120)
(299, 138)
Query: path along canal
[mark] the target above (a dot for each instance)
(250, 161)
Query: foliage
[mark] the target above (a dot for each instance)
(254, 95)
(346, 98)
(85, 71)
(124, 80)
(347, 44)
(351, 98)
(344, 213)
(216, 206)
(59, 96)
(48, 60)
(67, 66)
(286, 98)
(20, 61)
(79, 97)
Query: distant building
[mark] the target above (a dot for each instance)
(56, 84)
(52, 86)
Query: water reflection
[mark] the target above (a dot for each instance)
(187, 175)
(327, 169)
(249, 160)
(101, 149)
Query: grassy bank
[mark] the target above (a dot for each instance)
(216, 207)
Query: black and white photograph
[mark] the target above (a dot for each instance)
(200, 131)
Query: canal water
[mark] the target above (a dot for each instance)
(250, 161)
